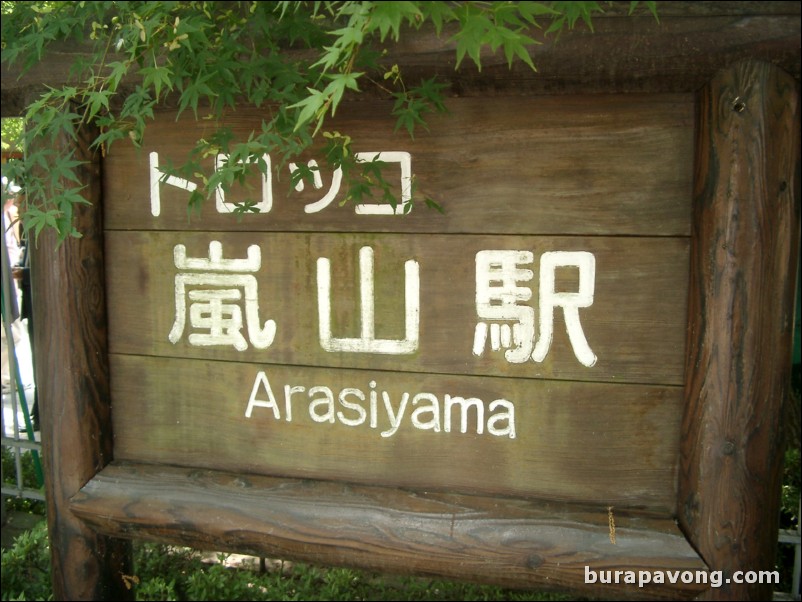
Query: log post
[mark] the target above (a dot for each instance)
(744, 254)
(72, 377)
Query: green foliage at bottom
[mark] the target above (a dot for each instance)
(28, 479)
(164, 572)
(167, 573)
(26, 567)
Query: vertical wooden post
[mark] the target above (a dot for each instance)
(741, 307)
(72, 377)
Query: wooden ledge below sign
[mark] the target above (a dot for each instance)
(508, 542)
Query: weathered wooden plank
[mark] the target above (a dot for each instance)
(513, 543)
(72, 382)
(745, 253)
(634, 326)
(622, 55)
(517, 165)
(610, 444)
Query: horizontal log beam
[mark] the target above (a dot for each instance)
(508, 542)
(680, 53)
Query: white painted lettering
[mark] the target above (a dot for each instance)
(395, 419)
(427, 413)
(326, 402)
(432, 408)
(507, 415)
(373, 405)
(288, 393)
(501, 300)
(270, 402)
(157, 177)
(368, 343)
(464, 405)
(215, 308)
(264, 162)
(404, 160)
(324, 202)
(350, 405)
(266, 204)
(569, 302)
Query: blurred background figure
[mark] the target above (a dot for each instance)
(12, 256)
(16, 311)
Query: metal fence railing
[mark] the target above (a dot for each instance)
(21, 447)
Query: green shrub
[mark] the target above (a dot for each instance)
(170, 573)
(156, 588)
(26, 567)
(29, 480)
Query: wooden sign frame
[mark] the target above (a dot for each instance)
(744, 253)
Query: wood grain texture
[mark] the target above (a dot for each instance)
(622, 55)
(535, 174)
(635, 325)
(513, 543)
(603, 165)
(587, 443)
(745, 253)
(73, 390)
(745, 238)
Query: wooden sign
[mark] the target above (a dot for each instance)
(489, 349)
(571, 378)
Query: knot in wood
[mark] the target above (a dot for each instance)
(534, 561)
(728, 448)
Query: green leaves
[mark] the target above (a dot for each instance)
(299, 60)
(338, 85)
(651, 6)
(193, 92)
(570, 12)
(497, 25)
(156, 78)
(389, 18)
(97, 100)
(411, 107)
(313, 108)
